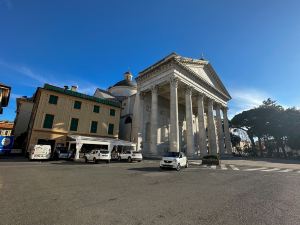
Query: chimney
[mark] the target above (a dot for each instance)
(74, 88)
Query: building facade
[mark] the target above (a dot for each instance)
(181, 105)
(23, 113)
(60, 112)
(4, 96)
(6, 128)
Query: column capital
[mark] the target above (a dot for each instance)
(154, 89)
(210, 101)
(200, 95)
(225, 109)
(218, 106)
(174, 81)
(189, 90)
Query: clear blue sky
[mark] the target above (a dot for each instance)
(253, 45)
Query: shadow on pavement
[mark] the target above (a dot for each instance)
(146, 169)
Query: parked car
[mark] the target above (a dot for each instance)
(174, 160)
(211, 160)
(97, 155)
(130, 156)
(40, 152)
(61, 153)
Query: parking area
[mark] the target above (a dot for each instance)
(62, 192)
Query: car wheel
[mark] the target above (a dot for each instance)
(95, 160)
(178, 167)
(129, 159)
(187, 164)
(85, 159)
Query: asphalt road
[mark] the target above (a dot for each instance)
(139, 193)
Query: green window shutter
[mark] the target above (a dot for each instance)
(77, 105)
(53, 99)
(111, 129)
(112, 112)
(96, 109)
(48, 122)
(74, 124)
(94, 125)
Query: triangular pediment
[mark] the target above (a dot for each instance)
(205, 71)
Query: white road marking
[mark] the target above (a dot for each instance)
(195, 163)
(213, 167)
(270, 170)
(298, 171)
(285, 171)
(223, 167)
(253, 169)
(234, 167)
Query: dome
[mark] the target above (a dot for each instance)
(124, 88)
(127, 82)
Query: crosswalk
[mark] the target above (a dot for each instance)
(244, 168)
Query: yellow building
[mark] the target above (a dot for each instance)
(60, 112)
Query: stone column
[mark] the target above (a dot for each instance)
(212, 139)
(226, 131)
(174, 134)
(190, 151)
(141, 131)
(135, 131)
(201, 126)
(154, 118)
(220, 130)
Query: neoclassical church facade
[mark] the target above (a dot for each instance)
(176, 104)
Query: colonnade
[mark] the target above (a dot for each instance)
(218, 138)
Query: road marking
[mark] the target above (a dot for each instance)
(253, 169)
(285, 171)
(213, 167)
(298, 171)
(234, 167)
(223, 167)
(270, 170)
(195, 163)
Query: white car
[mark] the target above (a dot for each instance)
(97, 155)
(130, 156)
(174, 160)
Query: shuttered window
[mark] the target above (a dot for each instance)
(112, 112)
(110, 129)
(53, 99)
(96, 109)
(77, 105)
(74, 124)
(48, 121)
(94, 126)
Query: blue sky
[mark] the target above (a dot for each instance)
(253, 45)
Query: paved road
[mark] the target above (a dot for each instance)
(139, 193)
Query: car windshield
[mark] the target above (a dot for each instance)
(104, 152)
(171, 154)
(137, 152)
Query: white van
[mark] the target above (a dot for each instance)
(40, 152)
